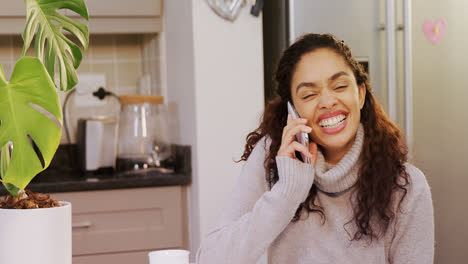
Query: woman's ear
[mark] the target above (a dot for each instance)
(362, 95)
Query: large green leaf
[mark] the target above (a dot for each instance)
(51, 45)
(4, 159)
(25, 103)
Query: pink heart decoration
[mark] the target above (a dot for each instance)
(434, 31)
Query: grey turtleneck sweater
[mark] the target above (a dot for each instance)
(257, 220)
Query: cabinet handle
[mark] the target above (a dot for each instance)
(82, 225)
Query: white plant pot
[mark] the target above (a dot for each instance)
(36, 235)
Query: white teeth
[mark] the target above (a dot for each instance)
(332, 122)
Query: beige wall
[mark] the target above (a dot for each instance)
(215, 84)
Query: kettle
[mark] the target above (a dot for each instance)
(97, 143)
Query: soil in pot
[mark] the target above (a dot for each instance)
(28, 200)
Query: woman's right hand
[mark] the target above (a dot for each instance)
(288, 143)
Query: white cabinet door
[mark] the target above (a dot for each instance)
(12, 8)
(106, 16)
(127, 220)
(97, 8)
(122, 8)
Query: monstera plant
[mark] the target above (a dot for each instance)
(30, 111)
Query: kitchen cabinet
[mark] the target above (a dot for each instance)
(106, 16)
(12, 17)
(12, 8)
(122, 226)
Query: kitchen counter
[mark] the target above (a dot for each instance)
(64, 179)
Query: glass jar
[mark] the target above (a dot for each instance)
(143, 139)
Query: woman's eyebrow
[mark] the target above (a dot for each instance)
(313, 84)
(305, 84)
(337, 75)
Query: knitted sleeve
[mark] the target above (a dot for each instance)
(255, 216)
(413, 241)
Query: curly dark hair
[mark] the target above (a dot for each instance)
(382, 172)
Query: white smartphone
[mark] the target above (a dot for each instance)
(302, 137)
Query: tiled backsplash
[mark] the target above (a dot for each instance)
(10, 51)
(119, 57)
(122, 58)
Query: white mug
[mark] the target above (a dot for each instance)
(169, 256)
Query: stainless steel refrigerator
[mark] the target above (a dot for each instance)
(417, 59)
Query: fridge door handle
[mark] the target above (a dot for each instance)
(408, 88)
(391, 59)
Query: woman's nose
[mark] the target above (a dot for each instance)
(327, 100)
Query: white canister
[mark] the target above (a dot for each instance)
(39, 236)
(169, 256)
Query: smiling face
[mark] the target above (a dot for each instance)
(325, 92)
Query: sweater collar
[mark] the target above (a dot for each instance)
(342, 176)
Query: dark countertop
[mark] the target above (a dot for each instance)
(65, 179)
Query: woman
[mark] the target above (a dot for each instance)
(358, 201)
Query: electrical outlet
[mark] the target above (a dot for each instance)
(89, 83)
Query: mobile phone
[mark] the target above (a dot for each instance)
(302, 137)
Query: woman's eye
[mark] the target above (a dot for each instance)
(308, 96)
(341, 87)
